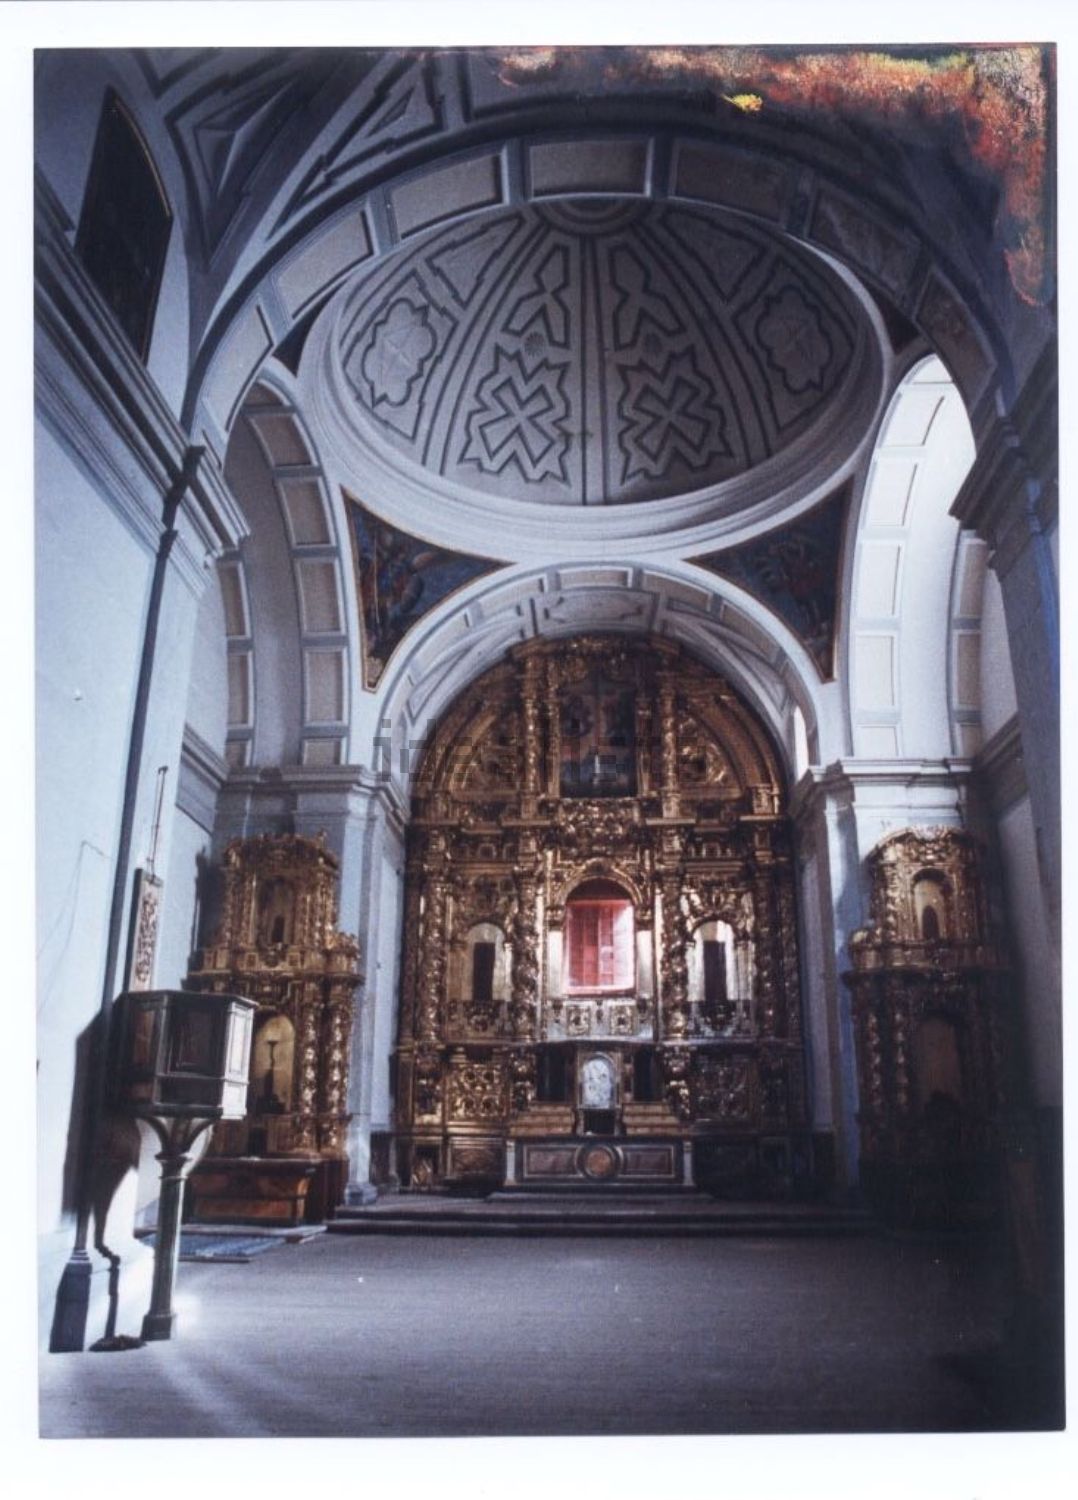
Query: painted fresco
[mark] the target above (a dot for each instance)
(598, 736)
(993, 103)
(399, 579)
(794, 571)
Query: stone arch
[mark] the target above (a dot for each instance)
(595, 871)
(916, 582)
(292, 654)
(720, 623)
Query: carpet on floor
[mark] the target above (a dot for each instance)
(240, 1247)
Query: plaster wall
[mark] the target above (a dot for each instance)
(815, 997)
(179, 926)
(837, 904)
(91, 585)
(207, 699)
(69, 89)
(998, 701)
(190, 837)
(1032, 953)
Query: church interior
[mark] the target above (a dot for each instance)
(547, 589)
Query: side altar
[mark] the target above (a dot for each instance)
(278, 943)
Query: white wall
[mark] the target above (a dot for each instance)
(207, 699)
(1032, 954)
(92, 580)
(998, 701)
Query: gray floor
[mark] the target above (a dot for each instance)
(385, 1336)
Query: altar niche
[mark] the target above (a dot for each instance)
(600, 973)
(278, 942)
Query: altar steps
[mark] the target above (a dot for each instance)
(598, 1214)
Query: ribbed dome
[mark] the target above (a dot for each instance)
(590, 352)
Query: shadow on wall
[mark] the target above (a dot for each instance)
(209, 899)
(87, 1047)
(93, 1171)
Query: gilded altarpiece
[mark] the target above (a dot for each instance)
(278, 943)
(600, 977)
(937, 1047)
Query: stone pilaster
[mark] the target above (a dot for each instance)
(1010, 498)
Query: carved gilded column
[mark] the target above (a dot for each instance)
(768, 1009)
(431, 983)
(898, 1010)
(338, 1027)
(524, 1006)
(788, 947)
(306, 1126)
(553, 715)
(530, 732)
(873, 1087)
(413, 905)
(643, 744)
(675, 975)
(667, 698)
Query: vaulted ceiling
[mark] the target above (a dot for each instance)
(617, 327)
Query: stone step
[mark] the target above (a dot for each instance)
(687, 1213)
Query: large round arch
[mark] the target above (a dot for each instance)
(619, 811)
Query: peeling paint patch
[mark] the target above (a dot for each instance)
(997, 96)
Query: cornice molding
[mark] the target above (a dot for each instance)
(201, 757)
(202, 774)
(843, 779)
(342, 783)
(1000, 767)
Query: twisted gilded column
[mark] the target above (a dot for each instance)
(553, 719)
(430, 982)
(789, 948)
(668, 769)
(524, 1004)
(530, 732)
(307, 1038)
(769, 1009)
(338, 1028)
(675, 975)
(413, 907)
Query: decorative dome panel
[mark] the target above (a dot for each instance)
(589, 352)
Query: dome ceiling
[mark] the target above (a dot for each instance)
(590, 352)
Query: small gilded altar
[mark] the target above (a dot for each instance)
(937, 1049)
(278, 943)
(600, 978)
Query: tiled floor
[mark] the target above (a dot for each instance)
(434, 1336)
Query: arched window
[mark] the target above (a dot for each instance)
(125, 224)
(599, 939)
